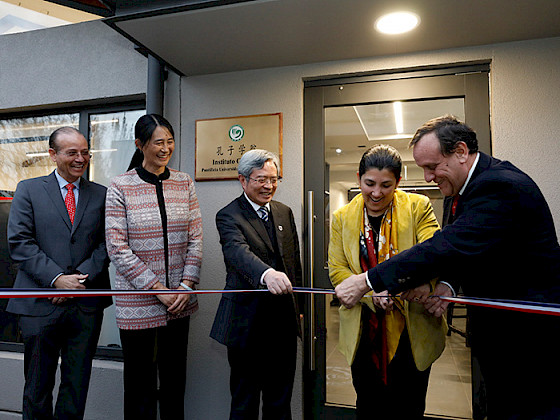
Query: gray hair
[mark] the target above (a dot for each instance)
(255, 159)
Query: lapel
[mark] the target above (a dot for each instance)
(352, 218)
(82, 203)
(53, 191)
(278, 224)
(447, 216)
(254, 220)
(484, 162)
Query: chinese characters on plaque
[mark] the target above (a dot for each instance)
(221, 142)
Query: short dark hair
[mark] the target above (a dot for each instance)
(381, 156)
(53, 138)
(450, 131)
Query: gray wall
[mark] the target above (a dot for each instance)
(234, 94)
(88, 61)
(68, 64)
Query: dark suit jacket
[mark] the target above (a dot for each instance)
(44, 242)
(248, 252)
(502, 243)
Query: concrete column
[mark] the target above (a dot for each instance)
(154, 92)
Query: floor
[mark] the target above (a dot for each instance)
(449, 391)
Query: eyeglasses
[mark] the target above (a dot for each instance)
(86, 154)
(263, 180)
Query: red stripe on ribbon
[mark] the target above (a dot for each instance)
(519, 306)
(512, 305)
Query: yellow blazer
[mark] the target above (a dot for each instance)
(416, 223)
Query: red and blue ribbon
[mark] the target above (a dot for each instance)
(543, 308)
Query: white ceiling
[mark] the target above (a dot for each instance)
(354, 129)
(270, 33)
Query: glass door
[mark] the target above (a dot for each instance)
(342, 120)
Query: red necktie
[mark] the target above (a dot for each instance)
(454, 206)
(70, 202)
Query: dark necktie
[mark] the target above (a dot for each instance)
(70, 202)
(263, 213)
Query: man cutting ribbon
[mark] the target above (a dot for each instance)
(501, 243)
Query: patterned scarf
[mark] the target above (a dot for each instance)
(383, 328)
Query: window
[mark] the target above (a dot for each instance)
(24, 154)
(24, 147)
(112, 145)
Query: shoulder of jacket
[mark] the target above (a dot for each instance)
(38, 179)
(355, 205)
(26, 184)
(502, 176)
(410, 197)
(233, 205)
(178, 175)
(126, 178)
(96, 186)
(280, 205)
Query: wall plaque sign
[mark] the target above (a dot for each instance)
(220, 143)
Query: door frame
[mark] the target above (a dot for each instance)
(468, 80)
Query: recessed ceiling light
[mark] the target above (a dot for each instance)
(397, 23)
(399, 123)
(338, 151)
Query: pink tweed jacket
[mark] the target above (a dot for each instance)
(135, 244)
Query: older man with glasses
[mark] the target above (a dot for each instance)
(261, 250)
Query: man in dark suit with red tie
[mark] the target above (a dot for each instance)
(260, 329)
(56, 234)
(499, 243)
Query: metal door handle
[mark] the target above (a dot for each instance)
(310, 231)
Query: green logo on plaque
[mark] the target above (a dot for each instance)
(236, 132)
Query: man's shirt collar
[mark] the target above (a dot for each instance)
(473, 167)
(62, 182)
(255, 205)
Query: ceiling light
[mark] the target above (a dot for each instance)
(338, 150)
(114, 120)
(36, 154)
(40, 126)
(103, 150)
(397, 110)
(397, 23)
(42, 154)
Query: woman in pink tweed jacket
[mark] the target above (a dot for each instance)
(154, 240)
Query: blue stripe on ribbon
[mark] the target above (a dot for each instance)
(546, 308)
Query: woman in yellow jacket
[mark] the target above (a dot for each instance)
(389, 343)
